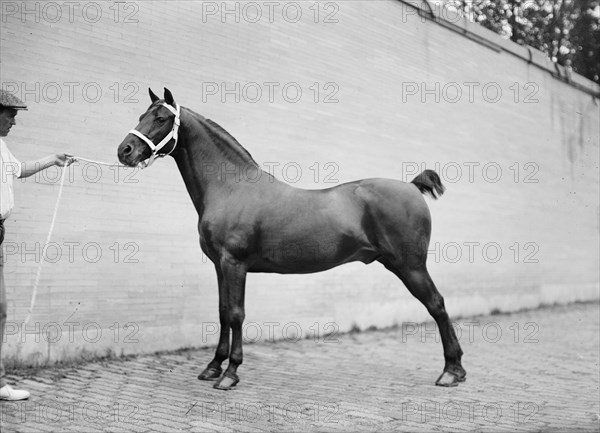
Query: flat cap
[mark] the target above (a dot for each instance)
(9, 100)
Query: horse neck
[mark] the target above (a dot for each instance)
(209, 165)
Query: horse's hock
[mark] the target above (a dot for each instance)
(515, 144)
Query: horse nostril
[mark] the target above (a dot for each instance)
(127, 149)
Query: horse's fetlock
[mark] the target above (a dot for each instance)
(235, 359)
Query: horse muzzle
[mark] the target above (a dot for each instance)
(131, 153)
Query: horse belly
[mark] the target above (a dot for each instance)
(311, 255)
(313, 232)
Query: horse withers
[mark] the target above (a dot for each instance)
(248, 219)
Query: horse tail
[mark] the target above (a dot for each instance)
(430, 183)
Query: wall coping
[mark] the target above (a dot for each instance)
(477, 33)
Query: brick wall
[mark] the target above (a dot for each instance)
(385, 93)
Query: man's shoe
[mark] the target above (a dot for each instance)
(7, 393)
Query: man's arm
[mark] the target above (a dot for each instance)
(29, 168)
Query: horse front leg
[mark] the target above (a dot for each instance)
(213, 370)
(234, 282)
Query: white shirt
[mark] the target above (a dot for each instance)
(10, 168)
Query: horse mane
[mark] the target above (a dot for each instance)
(229, 144)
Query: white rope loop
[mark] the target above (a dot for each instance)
(38, 274)
(155, 149)
(39, 269)
(92, 161)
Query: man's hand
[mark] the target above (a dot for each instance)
(63, 159)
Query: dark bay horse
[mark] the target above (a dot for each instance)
(249, 220)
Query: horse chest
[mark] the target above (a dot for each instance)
(218, 237)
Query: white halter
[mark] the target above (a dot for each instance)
(171, 135)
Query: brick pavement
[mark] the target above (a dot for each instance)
(529, 371)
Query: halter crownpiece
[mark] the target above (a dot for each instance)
(171, 135)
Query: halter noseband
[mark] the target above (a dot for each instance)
(171, 135)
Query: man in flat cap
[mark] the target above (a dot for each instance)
(10, 167)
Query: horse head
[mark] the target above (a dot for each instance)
(155, 135)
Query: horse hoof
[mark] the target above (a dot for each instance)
(449, 379)
(226, 382)
(210, 373)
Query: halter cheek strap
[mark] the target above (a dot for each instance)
(174, 134)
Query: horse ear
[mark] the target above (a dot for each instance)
(153, 97)
(169, 97)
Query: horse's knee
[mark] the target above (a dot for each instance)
(236, 315)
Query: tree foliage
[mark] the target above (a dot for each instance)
(567, 30)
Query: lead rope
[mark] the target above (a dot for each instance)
(39, 269)
(79, 158)
(52, 224)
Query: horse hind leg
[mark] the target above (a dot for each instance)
(418, 281)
